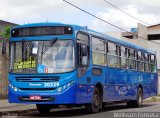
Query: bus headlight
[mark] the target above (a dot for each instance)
(64, 87)
(69, 84)
(14, 88)
(59, 89)
(10, 85)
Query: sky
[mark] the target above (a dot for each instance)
(33, 11)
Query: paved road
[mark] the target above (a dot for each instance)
(107, 112)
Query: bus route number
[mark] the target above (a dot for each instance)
(51, 84)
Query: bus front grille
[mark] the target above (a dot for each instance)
(37, 79)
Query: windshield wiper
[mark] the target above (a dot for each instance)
(49, 45)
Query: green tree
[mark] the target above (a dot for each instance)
(6, 33)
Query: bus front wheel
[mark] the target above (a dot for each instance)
(94, 106)
(43, 108)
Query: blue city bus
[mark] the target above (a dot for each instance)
(53, 64)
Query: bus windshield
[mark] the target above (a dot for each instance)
(56, 56)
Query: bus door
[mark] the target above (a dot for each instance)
(84, 70)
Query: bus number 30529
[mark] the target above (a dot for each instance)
(51, 84)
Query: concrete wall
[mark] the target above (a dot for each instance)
(154, 29)
(4, 63)
(4, 66)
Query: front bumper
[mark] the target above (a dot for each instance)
(65, 97)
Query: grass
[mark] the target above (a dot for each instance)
(153, 99)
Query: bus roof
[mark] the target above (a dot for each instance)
(97, 34)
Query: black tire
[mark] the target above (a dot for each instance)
(43, 108)
(138, 101)
(103, 105)
(130, 104)
(139, 98)
(95, 106)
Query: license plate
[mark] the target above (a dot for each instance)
(35, 98)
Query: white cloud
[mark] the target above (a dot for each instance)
(28, 11)
(33, 10)
(153, 3)
(121, 20)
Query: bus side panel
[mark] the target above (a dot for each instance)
(153, 90)
(153, 84)
(146, 91)
(146, 82)
(132, 82)
(87, 82)
(81, 95)
(154, 79)
(115, 87)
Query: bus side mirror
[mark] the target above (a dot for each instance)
(4, 48)
(35, 48)
(34, 51)
(84, 50)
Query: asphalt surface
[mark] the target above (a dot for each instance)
(109, 111)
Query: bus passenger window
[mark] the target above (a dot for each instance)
(149, 65)
(123, 54)
(132, 59)
(153, 60)
(98, 51)
(143, 61)
(146, 65)
(112, 55)
(139, 62)
(153, 64)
